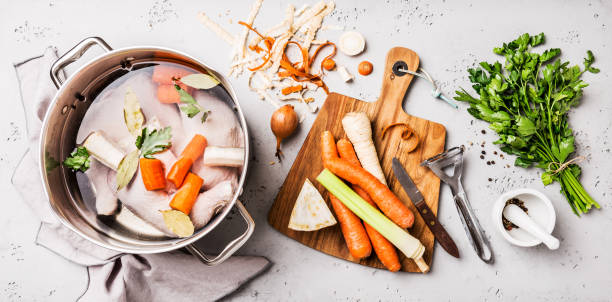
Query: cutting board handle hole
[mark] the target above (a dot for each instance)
(398, 66)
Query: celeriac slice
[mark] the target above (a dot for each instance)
(310, 212)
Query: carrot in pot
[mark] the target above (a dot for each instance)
(152, 171)
(195, 148)
(164, 74)
(187, 195)
(390, 205)
(353, 231)
(192, 152)
(382, 247)
(179, 170)
(167, 93)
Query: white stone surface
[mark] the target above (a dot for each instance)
(449, 36)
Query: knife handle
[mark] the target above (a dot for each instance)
(472, 227)
(434, 225)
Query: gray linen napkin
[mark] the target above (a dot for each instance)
(113, 276)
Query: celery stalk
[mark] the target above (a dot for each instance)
(410, 246)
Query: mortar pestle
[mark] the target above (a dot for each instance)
(534, 227)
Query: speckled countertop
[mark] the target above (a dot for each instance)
(449, 36)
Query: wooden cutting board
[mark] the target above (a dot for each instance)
(388, 109)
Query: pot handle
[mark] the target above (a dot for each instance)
(74, 54)
(233, 246)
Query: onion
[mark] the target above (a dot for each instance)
(284, 121)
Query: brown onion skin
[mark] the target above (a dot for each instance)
(283, 123)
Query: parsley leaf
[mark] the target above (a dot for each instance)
(78, 160)
(151, 142)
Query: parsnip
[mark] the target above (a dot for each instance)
(104, 150)
(359, 131)
(223, 156)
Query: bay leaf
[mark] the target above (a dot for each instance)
(132, 113)
(199, 81)
(127, 168)
(178, 222)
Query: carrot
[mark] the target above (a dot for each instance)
(167, 93)
(392, 206)
(353, 231)
(192, 152)
(152, 171)
(179, 170)
(382, 247)
(164, 74)
(186, 196)
(195, 148)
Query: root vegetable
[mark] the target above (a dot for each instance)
(152, 171)
(386, 200)
(186, 196)
(224, 156)
(344, 74)
(365, 68)
(283, 123)
(328, 64)
(385, 251)
(351, 43)
(104, 150)
(409, 245)
(359, 131)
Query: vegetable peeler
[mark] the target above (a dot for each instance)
(454, 157)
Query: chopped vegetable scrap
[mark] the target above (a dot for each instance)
(351, 43)
(345, 74)
(310, 213)
(78, 159)
(406, 134)
(365, 68)
(268, 51)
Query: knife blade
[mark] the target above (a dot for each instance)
(418, 200)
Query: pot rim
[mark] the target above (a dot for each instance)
(150, 248)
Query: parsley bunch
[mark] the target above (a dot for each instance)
(527, 102)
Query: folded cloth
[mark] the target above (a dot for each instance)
(113, 276)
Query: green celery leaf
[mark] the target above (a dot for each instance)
(525, 126)
(155, 141)
(547, 178)
(566, 147)
(78, 160)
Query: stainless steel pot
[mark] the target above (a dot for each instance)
(57, 140)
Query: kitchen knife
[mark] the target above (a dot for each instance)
(419, 202)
